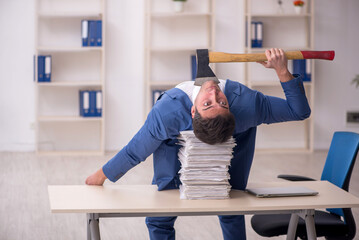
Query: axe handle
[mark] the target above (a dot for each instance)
(220, 57)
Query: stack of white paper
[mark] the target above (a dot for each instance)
(204, 172)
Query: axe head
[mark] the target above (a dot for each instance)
(204, 72)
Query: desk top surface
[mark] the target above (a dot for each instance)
(146, 199)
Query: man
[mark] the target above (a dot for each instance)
(175, 112)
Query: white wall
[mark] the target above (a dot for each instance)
(16, 81)
(124, 69)
(335, 25)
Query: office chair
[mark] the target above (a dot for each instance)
(333, 223)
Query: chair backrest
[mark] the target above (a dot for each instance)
(340, 161)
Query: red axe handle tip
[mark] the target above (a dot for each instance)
(326, 55)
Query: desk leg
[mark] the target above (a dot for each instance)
(292, 228)
(93, 228)
(310, 225)
(308, 216)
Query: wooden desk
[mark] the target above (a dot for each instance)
(145, 200)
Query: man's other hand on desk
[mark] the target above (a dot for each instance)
(97, 178)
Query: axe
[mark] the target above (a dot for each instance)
(205, 73)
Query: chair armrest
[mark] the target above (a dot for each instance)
(295, 178)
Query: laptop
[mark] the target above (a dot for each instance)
(281, 191)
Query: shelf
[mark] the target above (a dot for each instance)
(184, 14)
(171, 40)
(70, 84)
(60, 130)
(278, 15)
(271, 83)
(291, 32)
(264, 83)
(164, 84)
(68, 119)
(70, 14)
(71, 153)
(176, 49)
(68, 49)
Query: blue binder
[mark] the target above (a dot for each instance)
(41, 68)
(92, 32)
(98, 33)
(253, 34)
(246, 32)
(98, 112)
(300, 67)
(48, 68)
(259, 34)
(193, 67)
(85, 33)
(308, 70)
(93, 104)
(84, 103)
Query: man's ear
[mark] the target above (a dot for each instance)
(193, 111)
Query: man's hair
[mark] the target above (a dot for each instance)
(213, 130)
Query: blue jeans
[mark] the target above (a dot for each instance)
(161, 228)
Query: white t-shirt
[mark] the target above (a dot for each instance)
(192, 91)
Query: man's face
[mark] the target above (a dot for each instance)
(210, 101)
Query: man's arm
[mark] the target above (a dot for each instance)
(272, 109)
(143, 144)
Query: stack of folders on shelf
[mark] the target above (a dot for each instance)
(257, 34)
(44, 68)
(303, 67)
(91, 33)
(91, 103)
(204, 172)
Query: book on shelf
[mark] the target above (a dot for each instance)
(84, 103)
(85, 32)
(91, 33)
(90, 103)
(47, 68)
(98, 104)
(98, 33)
(308, 70)
(257, 34)
(193, 67)
(44, 68)
(303, 68)
(253, 33)
(40, 68)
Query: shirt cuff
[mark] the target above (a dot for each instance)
(116, 167)
(295, 84)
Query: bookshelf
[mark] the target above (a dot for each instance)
(171, 38)
(60, 130)
(282, 28)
